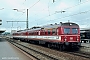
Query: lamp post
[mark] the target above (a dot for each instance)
(1, 8)
(0, 22)
(0, 19)
(60, 11)
(26, 19)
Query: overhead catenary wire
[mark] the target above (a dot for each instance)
(64, 10)
(73, 14)
(83, 12)
(34, 4)
(48, 8)
(28, 9)
(20, 15)
(55, 12)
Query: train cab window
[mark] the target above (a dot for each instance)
(74, 30)
(66, 30)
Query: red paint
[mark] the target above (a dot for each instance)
(59, 31)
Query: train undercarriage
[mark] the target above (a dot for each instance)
(57, 45)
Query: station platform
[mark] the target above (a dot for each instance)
(9, 52)
(85, 44)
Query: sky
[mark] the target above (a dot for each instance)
(43, 12)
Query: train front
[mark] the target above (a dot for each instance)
(70, 34)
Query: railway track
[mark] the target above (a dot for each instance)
(41, 53)
(84, 54)
(35, 53)
(81, 54)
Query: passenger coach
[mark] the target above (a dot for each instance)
(54, 35)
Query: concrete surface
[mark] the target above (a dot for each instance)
(8, 52)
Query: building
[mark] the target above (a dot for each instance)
(85, 35)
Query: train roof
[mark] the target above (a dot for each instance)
(50, 26)
(69, 24)
(61, 24)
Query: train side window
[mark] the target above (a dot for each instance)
(42, 32)
(54, 32)
(29, 33)
(49, 32)
(45, 32)
(37, 32)
(32, 33)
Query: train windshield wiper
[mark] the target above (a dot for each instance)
(67, 33)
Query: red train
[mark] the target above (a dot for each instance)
(54, 35)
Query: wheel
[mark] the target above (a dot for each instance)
(62, 47)
(49, 46)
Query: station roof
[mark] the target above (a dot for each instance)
(85, 29)
(1, 31)
(82, 30)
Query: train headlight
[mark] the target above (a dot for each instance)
(77, 38)
(65, 38)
